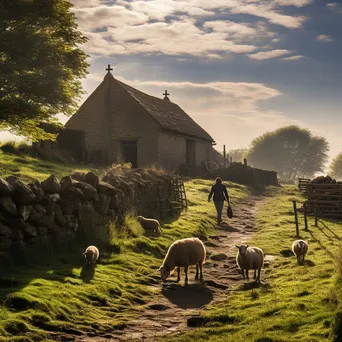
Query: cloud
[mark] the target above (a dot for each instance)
(292, 58)
(269, 54)
(297, 3)
(335, 7)
(324, 38)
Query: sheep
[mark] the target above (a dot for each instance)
(250, 258)
(149, 224)
(183, 253)
(300, 248)
(91, 254)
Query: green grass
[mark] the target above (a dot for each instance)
(28, 168)
(54, 295)
(297, 303)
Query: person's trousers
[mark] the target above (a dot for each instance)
(219, 208)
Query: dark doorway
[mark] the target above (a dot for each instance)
(191, 153)
(130, 152)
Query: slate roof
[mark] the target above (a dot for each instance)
(169, 115)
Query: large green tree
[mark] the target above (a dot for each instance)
(41, 64)
(291, 151)
(336, 167)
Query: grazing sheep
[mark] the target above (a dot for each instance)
(250, 258)
(91, 254)
(300, 248)
(149, 224)
(183, 253)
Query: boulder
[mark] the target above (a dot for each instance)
(103, 187)
(42, 231)
(66, 183)
(21, 193)
(4, 231)
(59, 217)
(69, 206)
(92, 179)
(16, 234)
(104, 204)
(35, 218)
(72, 222)
(89, 192)
(5, 187)
(29, 231)
(218, 257)
(72, 193)
(54, 198)
(78, 176)
(51, 185)
(15, 222)
(37, 189)
(39, 208)
(24, 211)
(8, 206)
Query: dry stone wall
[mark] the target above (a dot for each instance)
(54, 211)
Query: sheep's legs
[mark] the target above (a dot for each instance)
(247, 274)
(196, 276)
(243, 272)
(258, 278)
(201, 273)
(186, 274)
(254, 277)
(178, 274)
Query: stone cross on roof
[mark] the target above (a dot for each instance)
(109, 69)
(166, 94)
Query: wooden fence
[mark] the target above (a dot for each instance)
(302, 183)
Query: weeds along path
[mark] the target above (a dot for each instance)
(173, 303)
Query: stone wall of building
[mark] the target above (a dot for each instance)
(57, 210)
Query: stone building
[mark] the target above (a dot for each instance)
(120, 123)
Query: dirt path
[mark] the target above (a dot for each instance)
(173, 303)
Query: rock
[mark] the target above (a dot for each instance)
(158, 307)
(218, 257)
(49, 222)
(106, 188)
(39, 208)
(210, 244)
(213, 283)
(4, 231)
(51, 185)
(59, 217)
(201, 237)
(18, 245)
(5, 187)
(5, 244)
(72, 222)
(36, 188)
(16, 234)
(71, 193)
(66, 183)
(15, 222)
(55, 198)
(92, 179)
(195, 321)
(89, 192)
(78, 176)
(24, 211)
(104, 204)
(8, 206)
(70, 206)
(29, 231)
(21, 193)
(34, 218)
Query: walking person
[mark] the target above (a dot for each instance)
(220, 193)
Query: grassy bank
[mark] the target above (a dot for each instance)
(54, 294)
(296, 303)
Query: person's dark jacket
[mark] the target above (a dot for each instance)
(220, 193)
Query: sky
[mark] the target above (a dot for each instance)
(239, 68)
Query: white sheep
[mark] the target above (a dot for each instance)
(300, 248)
(250, 258)
(183, 253)
(149, 224)
(91, 254)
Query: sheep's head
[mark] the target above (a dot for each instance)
(164, 272)
(242, 249)
(301, 243)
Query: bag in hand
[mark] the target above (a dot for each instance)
(229, 211)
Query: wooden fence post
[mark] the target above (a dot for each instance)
(224, 156)
(316, 223)
(305, 217)
(296, 217)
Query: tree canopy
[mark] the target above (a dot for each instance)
(292, 151)
(41, 64)
(336, 167)
(238, 154)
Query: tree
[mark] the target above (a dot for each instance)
(291, 151)
(336, 167)
(238, 154)
(41, 64)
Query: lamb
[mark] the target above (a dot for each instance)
(250, 258)
(91, 254)
(300, 248)
(149, 224)
(183, 253)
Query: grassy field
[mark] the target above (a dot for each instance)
(295, 303)
(54, 294)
